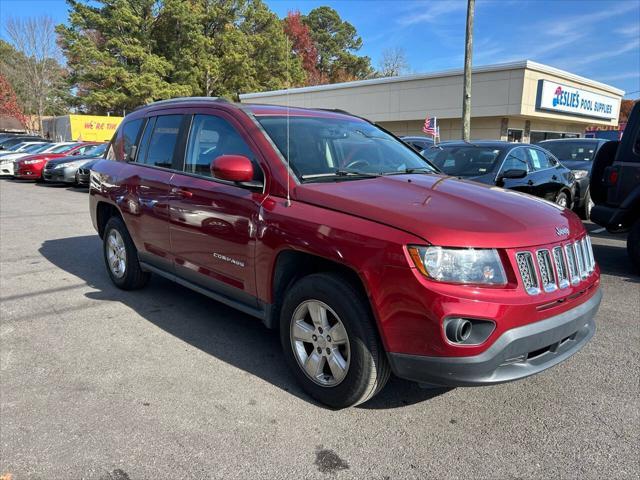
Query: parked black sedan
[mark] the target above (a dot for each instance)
(517, 166)
(577, 154)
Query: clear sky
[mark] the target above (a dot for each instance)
(599, 39)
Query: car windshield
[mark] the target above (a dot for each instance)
(63, 148)
(464, 160)
(33, 148)
(97, 150)
(41, 148)
(563, 150)
(328, 148)
(16, 147)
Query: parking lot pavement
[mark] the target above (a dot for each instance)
(161, 383)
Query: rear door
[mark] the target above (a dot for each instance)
(545, 179)
(214, 223)
(149, 187)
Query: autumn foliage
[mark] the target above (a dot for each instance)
(8, 102)
(303, 46)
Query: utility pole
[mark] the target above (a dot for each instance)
(466, 91)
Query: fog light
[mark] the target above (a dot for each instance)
(468, 331)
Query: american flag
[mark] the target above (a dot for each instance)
(430, 127)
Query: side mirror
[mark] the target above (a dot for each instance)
(233, 168)
(514, 173)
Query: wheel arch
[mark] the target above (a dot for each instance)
(291, 265)
(104, 211)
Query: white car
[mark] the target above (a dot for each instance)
(7, 160)
(23, 147)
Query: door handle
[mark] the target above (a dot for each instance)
(530, 182)
(554, 177)
(181, 192)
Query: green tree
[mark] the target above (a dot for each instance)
(336, 41)
(110, 53)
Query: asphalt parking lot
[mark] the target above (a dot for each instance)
(164, 383)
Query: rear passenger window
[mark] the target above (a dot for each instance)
(539, 160)
(211, 137)
(127, 139)
(516, 160)
(159, 141)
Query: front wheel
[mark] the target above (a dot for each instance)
(633, 244)
(330, 341)
(121, 257)
(562, 199)
(585, 210)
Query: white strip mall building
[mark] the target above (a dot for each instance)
(521, 101)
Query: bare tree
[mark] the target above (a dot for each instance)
(35, 38)
(393, 62)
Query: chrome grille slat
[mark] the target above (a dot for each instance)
(591, 257)
(561, 267)
(547, 276)
(573, 264)
(582, 264)
(528, 272)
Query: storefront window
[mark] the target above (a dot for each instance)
(514, 135)
(539, 136)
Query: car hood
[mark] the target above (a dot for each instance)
(42, 156)
(71, 158)
(446, 211)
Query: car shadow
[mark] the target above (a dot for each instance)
(614, 260)
(231, 336)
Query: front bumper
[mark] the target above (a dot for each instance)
(60, 175)
(6, 168)
(28, 172)
(517, 353)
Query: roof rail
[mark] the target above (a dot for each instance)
(178, 100)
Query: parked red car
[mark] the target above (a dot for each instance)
(31, 167)
(364, 255)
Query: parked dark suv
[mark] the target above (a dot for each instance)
(367, 259)
(577, 154)
(615, 185)
(522, 167)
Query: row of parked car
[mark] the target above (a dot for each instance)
(33, 158)
(556, 170)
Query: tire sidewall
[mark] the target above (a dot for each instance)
(352, 314)
(126, 280)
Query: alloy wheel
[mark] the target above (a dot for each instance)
(320, 343)
(116, 254)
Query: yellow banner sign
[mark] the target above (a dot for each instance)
(93, 128)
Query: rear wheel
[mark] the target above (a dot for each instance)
(633, 244)
(562, 199)
(121, 257)
(330, 341)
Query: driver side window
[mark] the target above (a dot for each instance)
(211, 137)
(516, 160)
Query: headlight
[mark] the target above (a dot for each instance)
(31, 162)
(580, 173)
(459, 265)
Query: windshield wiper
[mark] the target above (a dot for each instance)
(340, 173)
(411, 170)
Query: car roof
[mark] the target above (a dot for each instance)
(416, 137)
(573, 140)
(482, 143)
(257, 109)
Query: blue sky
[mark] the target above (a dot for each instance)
(599, 39)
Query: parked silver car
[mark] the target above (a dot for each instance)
(63, 170)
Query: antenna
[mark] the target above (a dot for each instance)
(288, 202)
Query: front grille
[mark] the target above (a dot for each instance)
(528, 272)
(549, 269)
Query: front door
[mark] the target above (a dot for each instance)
(213, 224)
(517, 160)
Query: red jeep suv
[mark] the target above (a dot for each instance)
(366, 258)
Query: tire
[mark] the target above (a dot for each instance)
(585, 210)
(563, 199)
(128, 275)
(359, 347)
(633, 244)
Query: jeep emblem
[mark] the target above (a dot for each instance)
(560, 231)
